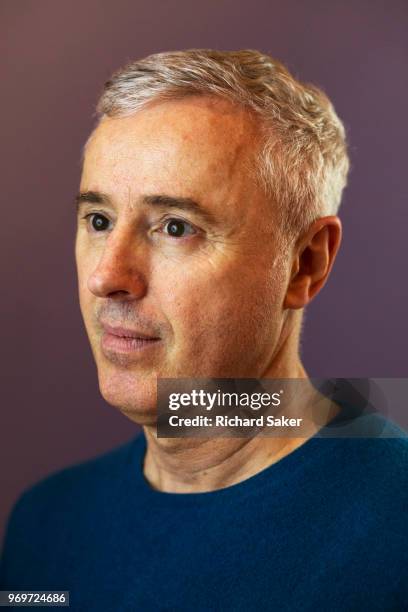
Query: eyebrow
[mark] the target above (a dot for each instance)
(92, 197)
(155, 200)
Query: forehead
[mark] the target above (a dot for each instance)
(189, 146)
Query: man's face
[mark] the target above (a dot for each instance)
(179, 270)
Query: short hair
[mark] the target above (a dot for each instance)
(302, 162)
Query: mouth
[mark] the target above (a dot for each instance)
(125, 340)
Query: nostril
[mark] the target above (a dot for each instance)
(119, 294)
(116, 281)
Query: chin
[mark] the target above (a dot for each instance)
(134, 396)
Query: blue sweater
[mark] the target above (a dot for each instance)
(323, 529)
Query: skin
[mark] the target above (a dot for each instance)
(224, 299)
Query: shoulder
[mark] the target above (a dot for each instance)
(375, 440)
(66, 492)
(60, 512)
(372, 440)
(369, 466)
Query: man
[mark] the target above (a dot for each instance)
(207, 222)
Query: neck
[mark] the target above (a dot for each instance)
(200, 465)
(193, 465)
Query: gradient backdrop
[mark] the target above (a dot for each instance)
(55, 56)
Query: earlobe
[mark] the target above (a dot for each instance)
(313, 261)
(297, 294)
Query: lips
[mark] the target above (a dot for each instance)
(124, 332)
(125, 340)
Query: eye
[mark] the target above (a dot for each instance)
(99, 223)
(178, 228)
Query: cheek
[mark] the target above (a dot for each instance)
(85, 266)
(85, 296)
(221, 312)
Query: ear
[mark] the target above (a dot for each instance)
(314, 256)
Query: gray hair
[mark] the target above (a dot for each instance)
(302, 162)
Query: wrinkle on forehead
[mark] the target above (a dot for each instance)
(194, 123)
(193, 146)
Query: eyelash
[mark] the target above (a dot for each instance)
(163, 222)
(168, 220)
(88, 219)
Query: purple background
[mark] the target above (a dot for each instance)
(55, 57)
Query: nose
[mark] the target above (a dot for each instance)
(119, 269)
